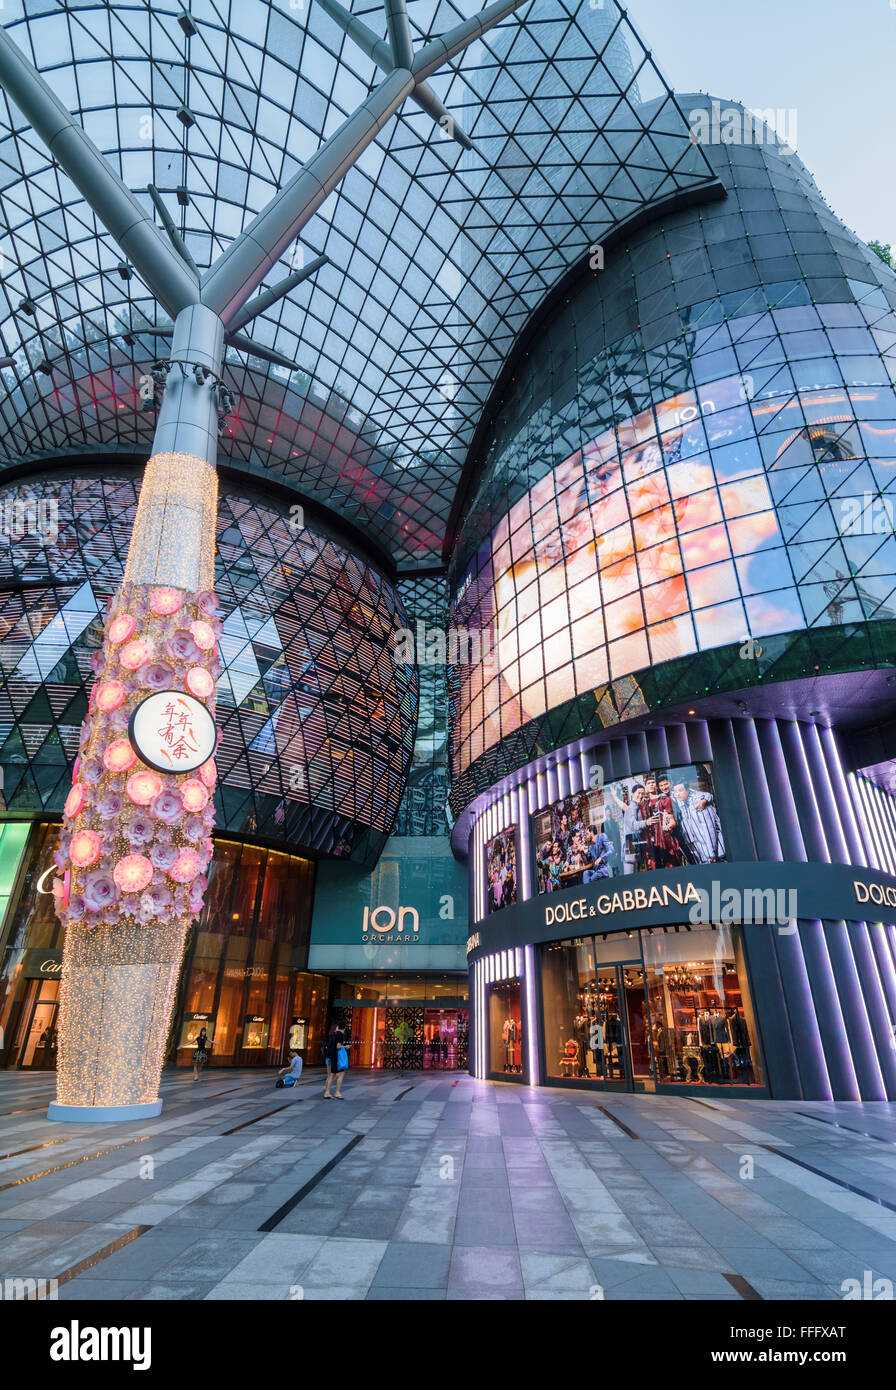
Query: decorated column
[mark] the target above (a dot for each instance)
(136, 841)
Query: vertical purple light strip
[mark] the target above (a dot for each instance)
(531, 1042)
(838, 850)
(524, 853)
(878, 935)
(859, 1034)
(872, 823)
(828, 1011)
(884, 840)
(871, 858)
(844, 795)
(874, 998)
(771, 776)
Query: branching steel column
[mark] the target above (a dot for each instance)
(228, 283)
(95, 179)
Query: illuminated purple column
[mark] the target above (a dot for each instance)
(802, 1019)
(872, 990)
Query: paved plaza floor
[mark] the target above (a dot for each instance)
(442, 1187)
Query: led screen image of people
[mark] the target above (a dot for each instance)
(500, 870)
(664, 819)
(598, 569)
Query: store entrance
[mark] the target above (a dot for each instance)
(405, 1039)
(35, 1041)
(596, 1020)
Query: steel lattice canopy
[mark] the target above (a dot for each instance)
(438, 255)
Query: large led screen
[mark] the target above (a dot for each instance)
(664, 819)
(501, 870)
(670, 533)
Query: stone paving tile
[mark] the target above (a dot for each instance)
(545, 1197)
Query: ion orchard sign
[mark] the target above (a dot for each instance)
(380, 922)
(172, 732)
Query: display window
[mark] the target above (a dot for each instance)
(256, 1031)
(35, 1040)
(703, 1031)
(192, 1026)
(505, 1017)
(680, 1014)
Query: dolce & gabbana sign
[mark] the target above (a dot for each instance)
(776, 895)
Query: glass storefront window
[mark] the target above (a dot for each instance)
(679, 1015)
(506, 1027)
(701, 1017)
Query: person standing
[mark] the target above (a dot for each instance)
(200, 1056)
(634, 832)
(599, 849)
(335, 1042)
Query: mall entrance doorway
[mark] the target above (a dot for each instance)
(401, 1038)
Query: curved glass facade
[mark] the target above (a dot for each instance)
(317, 721)
(438, 254)
(699, 446)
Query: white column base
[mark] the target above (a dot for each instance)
(103, 1114)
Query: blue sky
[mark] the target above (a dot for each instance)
(835, 64)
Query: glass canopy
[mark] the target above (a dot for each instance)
(437, 255)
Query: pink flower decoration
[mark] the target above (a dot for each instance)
(100, 890)
(110, 805)
(75, 908)
(98, 661)
(133, 873)
(208, 603)
(167, 808)
(143, 787)
(86, 848)
(75, 800)
(157, 899)
(84, 735)
(186, 866)
(193, 828)
(199, 682)
(75, 768)
(203, 635)
(119, 756)
(139, 828)
(120, 628)
(136, 654)
(162, 855)
(193, 795)
(109, 696)
(164, 602)
(181, 646)
(209, 774)
(91, 771)
(61, 887)
(157, 675)
(196, 901)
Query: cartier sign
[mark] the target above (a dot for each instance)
(39, 964)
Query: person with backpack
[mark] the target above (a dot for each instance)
(336, 1059)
